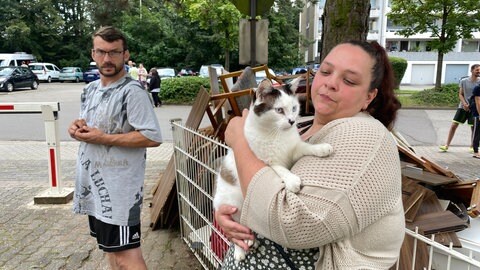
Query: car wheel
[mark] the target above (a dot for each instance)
(77, 80)
(49, 80)
(10, 87)
(34, 85)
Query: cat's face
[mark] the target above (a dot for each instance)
(277, 107)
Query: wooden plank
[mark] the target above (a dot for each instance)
(427, 177)
(162, 191)
(474, 208)
(413, 204)
(440, 169)
(438, 222)
(161, 195)
(406, 254)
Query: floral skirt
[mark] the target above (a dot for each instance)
(269, 255)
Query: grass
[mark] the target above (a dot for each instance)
(410, 99)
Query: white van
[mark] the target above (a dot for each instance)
(45, 71)
(16, 59)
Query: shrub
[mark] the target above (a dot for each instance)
(447, 95)
(399, 66)
(182, 90)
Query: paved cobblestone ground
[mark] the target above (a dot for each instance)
(51, 236)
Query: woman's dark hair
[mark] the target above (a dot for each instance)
(111, 34)
(154, 72)
(385, 105)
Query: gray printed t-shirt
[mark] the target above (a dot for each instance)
(109, 181)
(467, 86)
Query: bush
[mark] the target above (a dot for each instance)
(399, 66)
(447, 95)
(182, 90)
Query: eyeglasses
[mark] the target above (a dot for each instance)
(102, 53)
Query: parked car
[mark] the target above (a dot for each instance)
(45, 71)
(260, 75)
(187, 72)
(92, 73)
(166, 72)
(74, 74)
(299, 70)
(16, 59)
(203, 72)
(17, 77)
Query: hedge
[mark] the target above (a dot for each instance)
(399, 66)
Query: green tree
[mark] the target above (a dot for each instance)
(344, 20)
(219, 16)
(75, 33)
(283, 50)
(446, 20)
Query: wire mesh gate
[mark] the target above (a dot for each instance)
(197, 158)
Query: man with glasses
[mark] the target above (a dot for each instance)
(116, 124)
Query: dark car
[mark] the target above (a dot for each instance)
(187, 72)
(92, 74)
(17, 77)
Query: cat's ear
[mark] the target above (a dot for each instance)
(293, 85)
(264, 87)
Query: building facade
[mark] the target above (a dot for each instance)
(422, 61)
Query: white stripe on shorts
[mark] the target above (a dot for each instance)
(124, 235)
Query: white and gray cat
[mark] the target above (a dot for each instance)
(272, 135)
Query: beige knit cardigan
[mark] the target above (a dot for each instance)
(350, 204)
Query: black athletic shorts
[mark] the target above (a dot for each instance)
(113, 238)
(461, 116)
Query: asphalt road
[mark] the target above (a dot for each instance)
(30, 127)
(419, 127)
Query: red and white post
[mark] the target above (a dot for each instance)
(56, 194)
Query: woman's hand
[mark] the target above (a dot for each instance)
(234, 231)
(234, 132)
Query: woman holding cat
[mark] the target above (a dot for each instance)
(348, 213)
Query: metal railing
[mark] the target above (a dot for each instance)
(197, 158)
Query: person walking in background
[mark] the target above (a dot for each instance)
(142, 75)
(154, 87)
(116, 125)
(463, 112)
(475, 109)
(133, 71)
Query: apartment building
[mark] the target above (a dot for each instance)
(422, 62)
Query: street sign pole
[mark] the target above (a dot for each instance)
(253, 41)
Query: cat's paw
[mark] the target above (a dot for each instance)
(239, 254)
(249, 242)
(292, 183)
(322, 150)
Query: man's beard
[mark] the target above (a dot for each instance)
(110, 65)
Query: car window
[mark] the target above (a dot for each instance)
(36, 67)
(24, 71)
(67, 69)
(49, 67)
(5, 71)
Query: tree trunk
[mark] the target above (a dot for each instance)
(227, 52)
(438, 77)
(344, 20)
